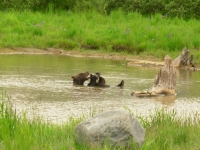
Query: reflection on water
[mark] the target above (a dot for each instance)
(42, 86)
(166, 100)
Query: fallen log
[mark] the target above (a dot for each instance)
(145, 94)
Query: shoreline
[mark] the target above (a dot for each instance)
(76, 53)
(132, 60)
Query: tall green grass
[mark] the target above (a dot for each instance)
(167, 131)
(128, 33)
(163, 130)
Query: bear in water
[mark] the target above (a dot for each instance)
(80, 78)
(121, 85)
(102, 81)
(93, 79)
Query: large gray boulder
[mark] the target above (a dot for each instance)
(117, 127)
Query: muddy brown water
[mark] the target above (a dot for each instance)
(41, 85)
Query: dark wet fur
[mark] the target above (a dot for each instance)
(93, 80)
(102, 82)
(121, 85)
(80, 78)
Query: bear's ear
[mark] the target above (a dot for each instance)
(72, 77)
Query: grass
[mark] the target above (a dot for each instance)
(166, 131)
(163, 130)
(129, 33)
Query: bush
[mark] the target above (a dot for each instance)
(180, 8)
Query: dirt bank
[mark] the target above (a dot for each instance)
(76, 53)
(132, 60)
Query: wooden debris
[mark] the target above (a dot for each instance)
(184, 60)
(164, 81)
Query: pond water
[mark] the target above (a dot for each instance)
(41, 85)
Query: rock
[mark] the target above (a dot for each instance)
(117, 127)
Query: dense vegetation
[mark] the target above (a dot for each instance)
(118, 32)
(139, 27)
(164, 130)
(180, 8)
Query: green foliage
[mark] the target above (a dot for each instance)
(176, 8)
(165, 130)
(127, 33)
(8, 120)
(179, 8)
(183, 8)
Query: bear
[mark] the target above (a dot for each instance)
(121, 85)
(93, 79)
(102, 81)
(80, 78)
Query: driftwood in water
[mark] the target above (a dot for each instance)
(184, 59)
(164, 82)
(145, 94)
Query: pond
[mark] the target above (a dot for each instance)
(41, 85)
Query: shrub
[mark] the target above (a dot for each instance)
(180, 8)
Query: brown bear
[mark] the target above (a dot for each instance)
(93, 79)
(102, 81)
(80, 78)
(121, 85)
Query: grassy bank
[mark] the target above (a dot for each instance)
(164, 130)
(129, 33)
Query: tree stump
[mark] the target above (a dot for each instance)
(164, 81)
(184, 60)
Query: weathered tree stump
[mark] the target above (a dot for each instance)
(184, 60)
(164, 81)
